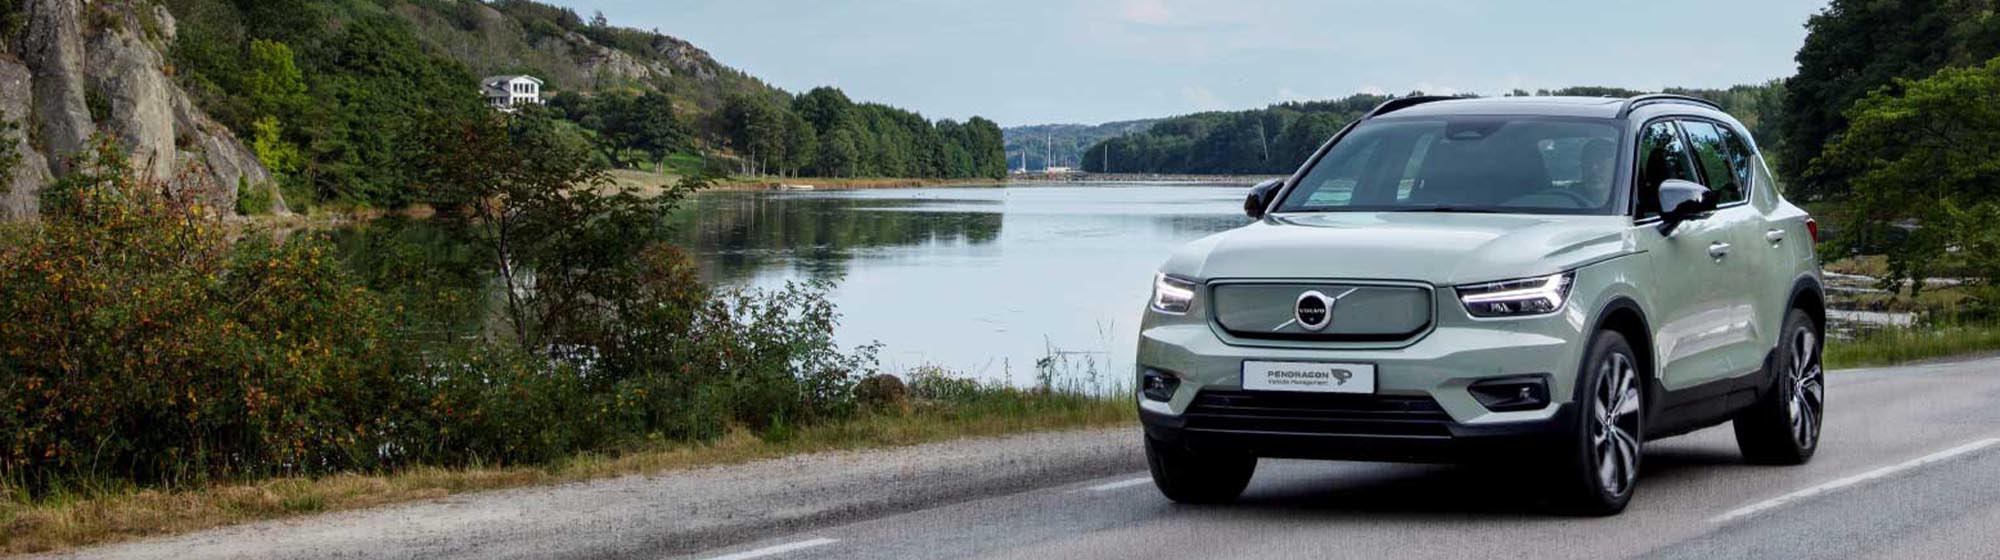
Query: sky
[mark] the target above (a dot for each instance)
(1022, 62)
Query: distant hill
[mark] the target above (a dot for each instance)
(1065, 142)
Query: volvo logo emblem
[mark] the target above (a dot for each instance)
(1313, 311)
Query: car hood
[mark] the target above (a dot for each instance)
(1439, 248)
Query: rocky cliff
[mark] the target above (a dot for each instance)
(81, 69)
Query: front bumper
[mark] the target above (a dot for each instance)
(1421, 409)
(1367, 428)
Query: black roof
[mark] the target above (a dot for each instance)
(1604, 107)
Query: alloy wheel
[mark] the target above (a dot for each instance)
(1614, 430)
(1808, 388)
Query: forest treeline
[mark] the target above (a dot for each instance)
(823, 133)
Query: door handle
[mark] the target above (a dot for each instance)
(1775, 236)
(1718, 249)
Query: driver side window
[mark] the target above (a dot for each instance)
(1662, 156)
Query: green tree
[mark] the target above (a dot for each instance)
(1856, 46)
(801, 143)
(272, 150)
(529, 193)
(1924, 158)
(839, 153)
(826, 108)
(988, 148)
(272, 81)
(1305, 135)
(756, 129)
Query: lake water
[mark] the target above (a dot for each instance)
(985, 281)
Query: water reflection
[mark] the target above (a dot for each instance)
(739, 234)
(986, 281)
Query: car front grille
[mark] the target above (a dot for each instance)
(1318, 414)
(1359, 312)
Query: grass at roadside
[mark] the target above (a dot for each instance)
(93, 514)
(1890, 346)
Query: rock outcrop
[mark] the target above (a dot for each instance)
(691, 60)
(108, 77)
(601, 62)
(53, 50)
(17, 105)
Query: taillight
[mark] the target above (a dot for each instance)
(1812, 227)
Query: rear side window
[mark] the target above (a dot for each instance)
(1662, 156)
(1726, 167)
(1742, 160)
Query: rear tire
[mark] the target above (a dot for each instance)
(1600, 464)
(1191, 478)
(1783, 428)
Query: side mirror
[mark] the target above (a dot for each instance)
(1681, 201)
(1260, 198)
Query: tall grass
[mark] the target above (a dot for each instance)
(1889, 346)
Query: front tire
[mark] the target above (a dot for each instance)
(1783, 428)
(1602, 459)
(1198, 478)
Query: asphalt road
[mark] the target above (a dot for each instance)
(1909, 468)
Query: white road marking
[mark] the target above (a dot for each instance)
(775, 550)
(1127, 483)
(1862, 478)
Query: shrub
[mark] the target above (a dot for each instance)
(254, 200)
(10, 153)
(13, 20)
(933, 383)
(882, 393)
(142, 343)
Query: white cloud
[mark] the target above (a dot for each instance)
(1430, 88)
(1201, 98)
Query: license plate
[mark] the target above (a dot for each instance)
(1309, 377)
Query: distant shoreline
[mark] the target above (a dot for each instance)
(1146, 178)
(837, 184)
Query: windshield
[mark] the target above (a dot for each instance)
(1513, 164)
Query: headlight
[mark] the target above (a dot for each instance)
(1515, 298)
(1172, 295)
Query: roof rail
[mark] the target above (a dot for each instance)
(1400, 103)
(1635, 101)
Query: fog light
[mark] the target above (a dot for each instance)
(1158, 385)
(1507, 394)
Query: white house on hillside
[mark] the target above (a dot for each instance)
(504, 92)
